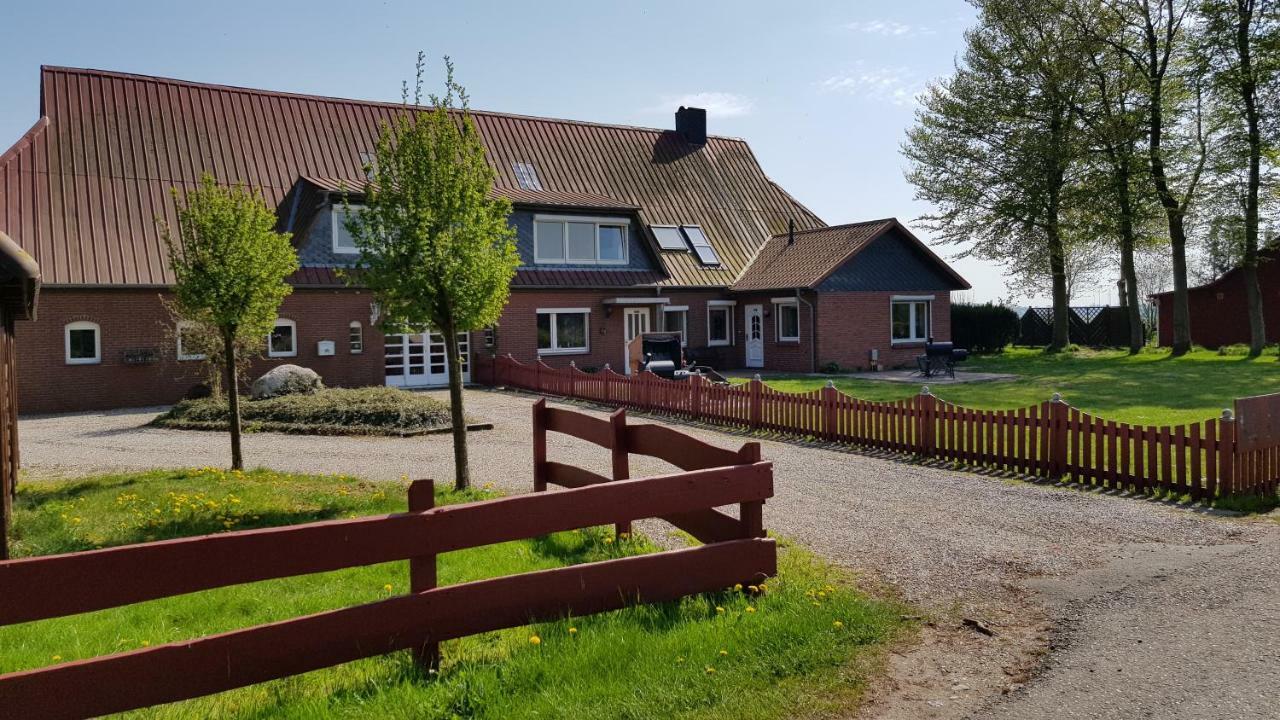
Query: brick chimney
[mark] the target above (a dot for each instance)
(691, 123)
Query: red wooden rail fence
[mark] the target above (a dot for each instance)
(1051, 440)
(735, 551)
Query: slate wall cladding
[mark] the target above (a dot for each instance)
(316, 250)
(890, 262)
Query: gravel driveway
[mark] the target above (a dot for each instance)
(1098, 607)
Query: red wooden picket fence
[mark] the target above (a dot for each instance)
(1051, 440)
(735, 551)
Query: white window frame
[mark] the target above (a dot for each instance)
(715, 306)
(333, 230)
(778, 305)
(564, 220)
(911, 301)
(683, 312)
(181, 355)
(293, 352)
(555, 349)
(97, 342)
(355, 337)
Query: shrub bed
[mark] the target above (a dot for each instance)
(332, 411)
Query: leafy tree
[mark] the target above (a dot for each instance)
(1152, 36)
(230, 266)
(435, 248)
(1241, 46)
(993, 146)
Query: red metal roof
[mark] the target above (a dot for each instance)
(819, 252)
(81, 190)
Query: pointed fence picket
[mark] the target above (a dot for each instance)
(1051, 440)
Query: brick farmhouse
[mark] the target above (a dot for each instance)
(620, 230)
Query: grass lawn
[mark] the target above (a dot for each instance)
(1150, 388)
(803, 649)
(331, 411)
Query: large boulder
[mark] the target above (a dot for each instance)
(286, 380)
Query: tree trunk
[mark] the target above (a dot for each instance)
(1061, 299)
(1128, 269)
(1181, 304)
(233, 395)
(461, 468)
(1249, 95)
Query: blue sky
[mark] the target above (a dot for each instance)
(822, 91)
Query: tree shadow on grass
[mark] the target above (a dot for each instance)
(31, 496)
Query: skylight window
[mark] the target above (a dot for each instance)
(526, 176)
(669, 237)
(701, 246)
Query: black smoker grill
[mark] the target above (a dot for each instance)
(662, 355)
(940, 358)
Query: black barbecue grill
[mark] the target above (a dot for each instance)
(940, 358)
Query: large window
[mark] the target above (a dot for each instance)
(719, 323)
(343, 243)
(188, 342)
(910, 319)
(83, 343)
(283, 340)
(676, 319)
(563, 330)
(788, 315)
(584, 241)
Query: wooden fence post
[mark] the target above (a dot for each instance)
(751, 514)
(607, 373)
(573, 379)
(422, 573)
(1227, 456)
(695, 399)
(927, 428)
(537, 374)
(621, 458)
(829, 394)
(1058, 437)
(756, 414)
(540, 445)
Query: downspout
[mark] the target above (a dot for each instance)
(813, 336)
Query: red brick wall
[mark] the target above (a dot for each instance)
(851, 324)
(1218, 312)
(779, 355)
(134, 318)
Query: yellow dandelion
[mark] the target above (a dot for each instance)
(822, 596)
(723, 653)
(386, 588)
(56, 658)
(535, 640)
(573, 631)
(719, 610)
(146, 643)
(623, 536)
(750, 609)
(678, 660)
(737, 587)
(753, 588)
(710, 670)
(837, 624)
(608, 541)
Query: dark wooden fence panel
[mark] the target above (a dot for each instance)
(1052, 440)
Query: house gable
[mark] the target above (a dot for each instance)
(890, 262)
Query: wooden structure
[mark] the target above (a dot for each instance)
(1051, 440)
(19, 286)
(59, 585)
(1091, 326)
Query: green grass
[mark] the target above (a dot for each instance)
(1149, 388)
(331, 411)
(704, 657)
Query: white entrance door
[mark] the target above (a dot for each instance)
(636, 321)
(753, 317)
(419, 359)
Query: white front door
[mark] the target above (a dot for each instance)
(636, 321)
(753, 318)
(419, 359)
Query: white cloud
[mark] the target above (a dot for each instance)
(717, 104)
(896, 85)
(888, 28)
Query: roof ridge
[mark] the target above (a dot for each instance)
(842, 226)
(356, 101)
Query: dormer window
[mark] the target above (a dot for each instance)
(343, 242)
(561, 240)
